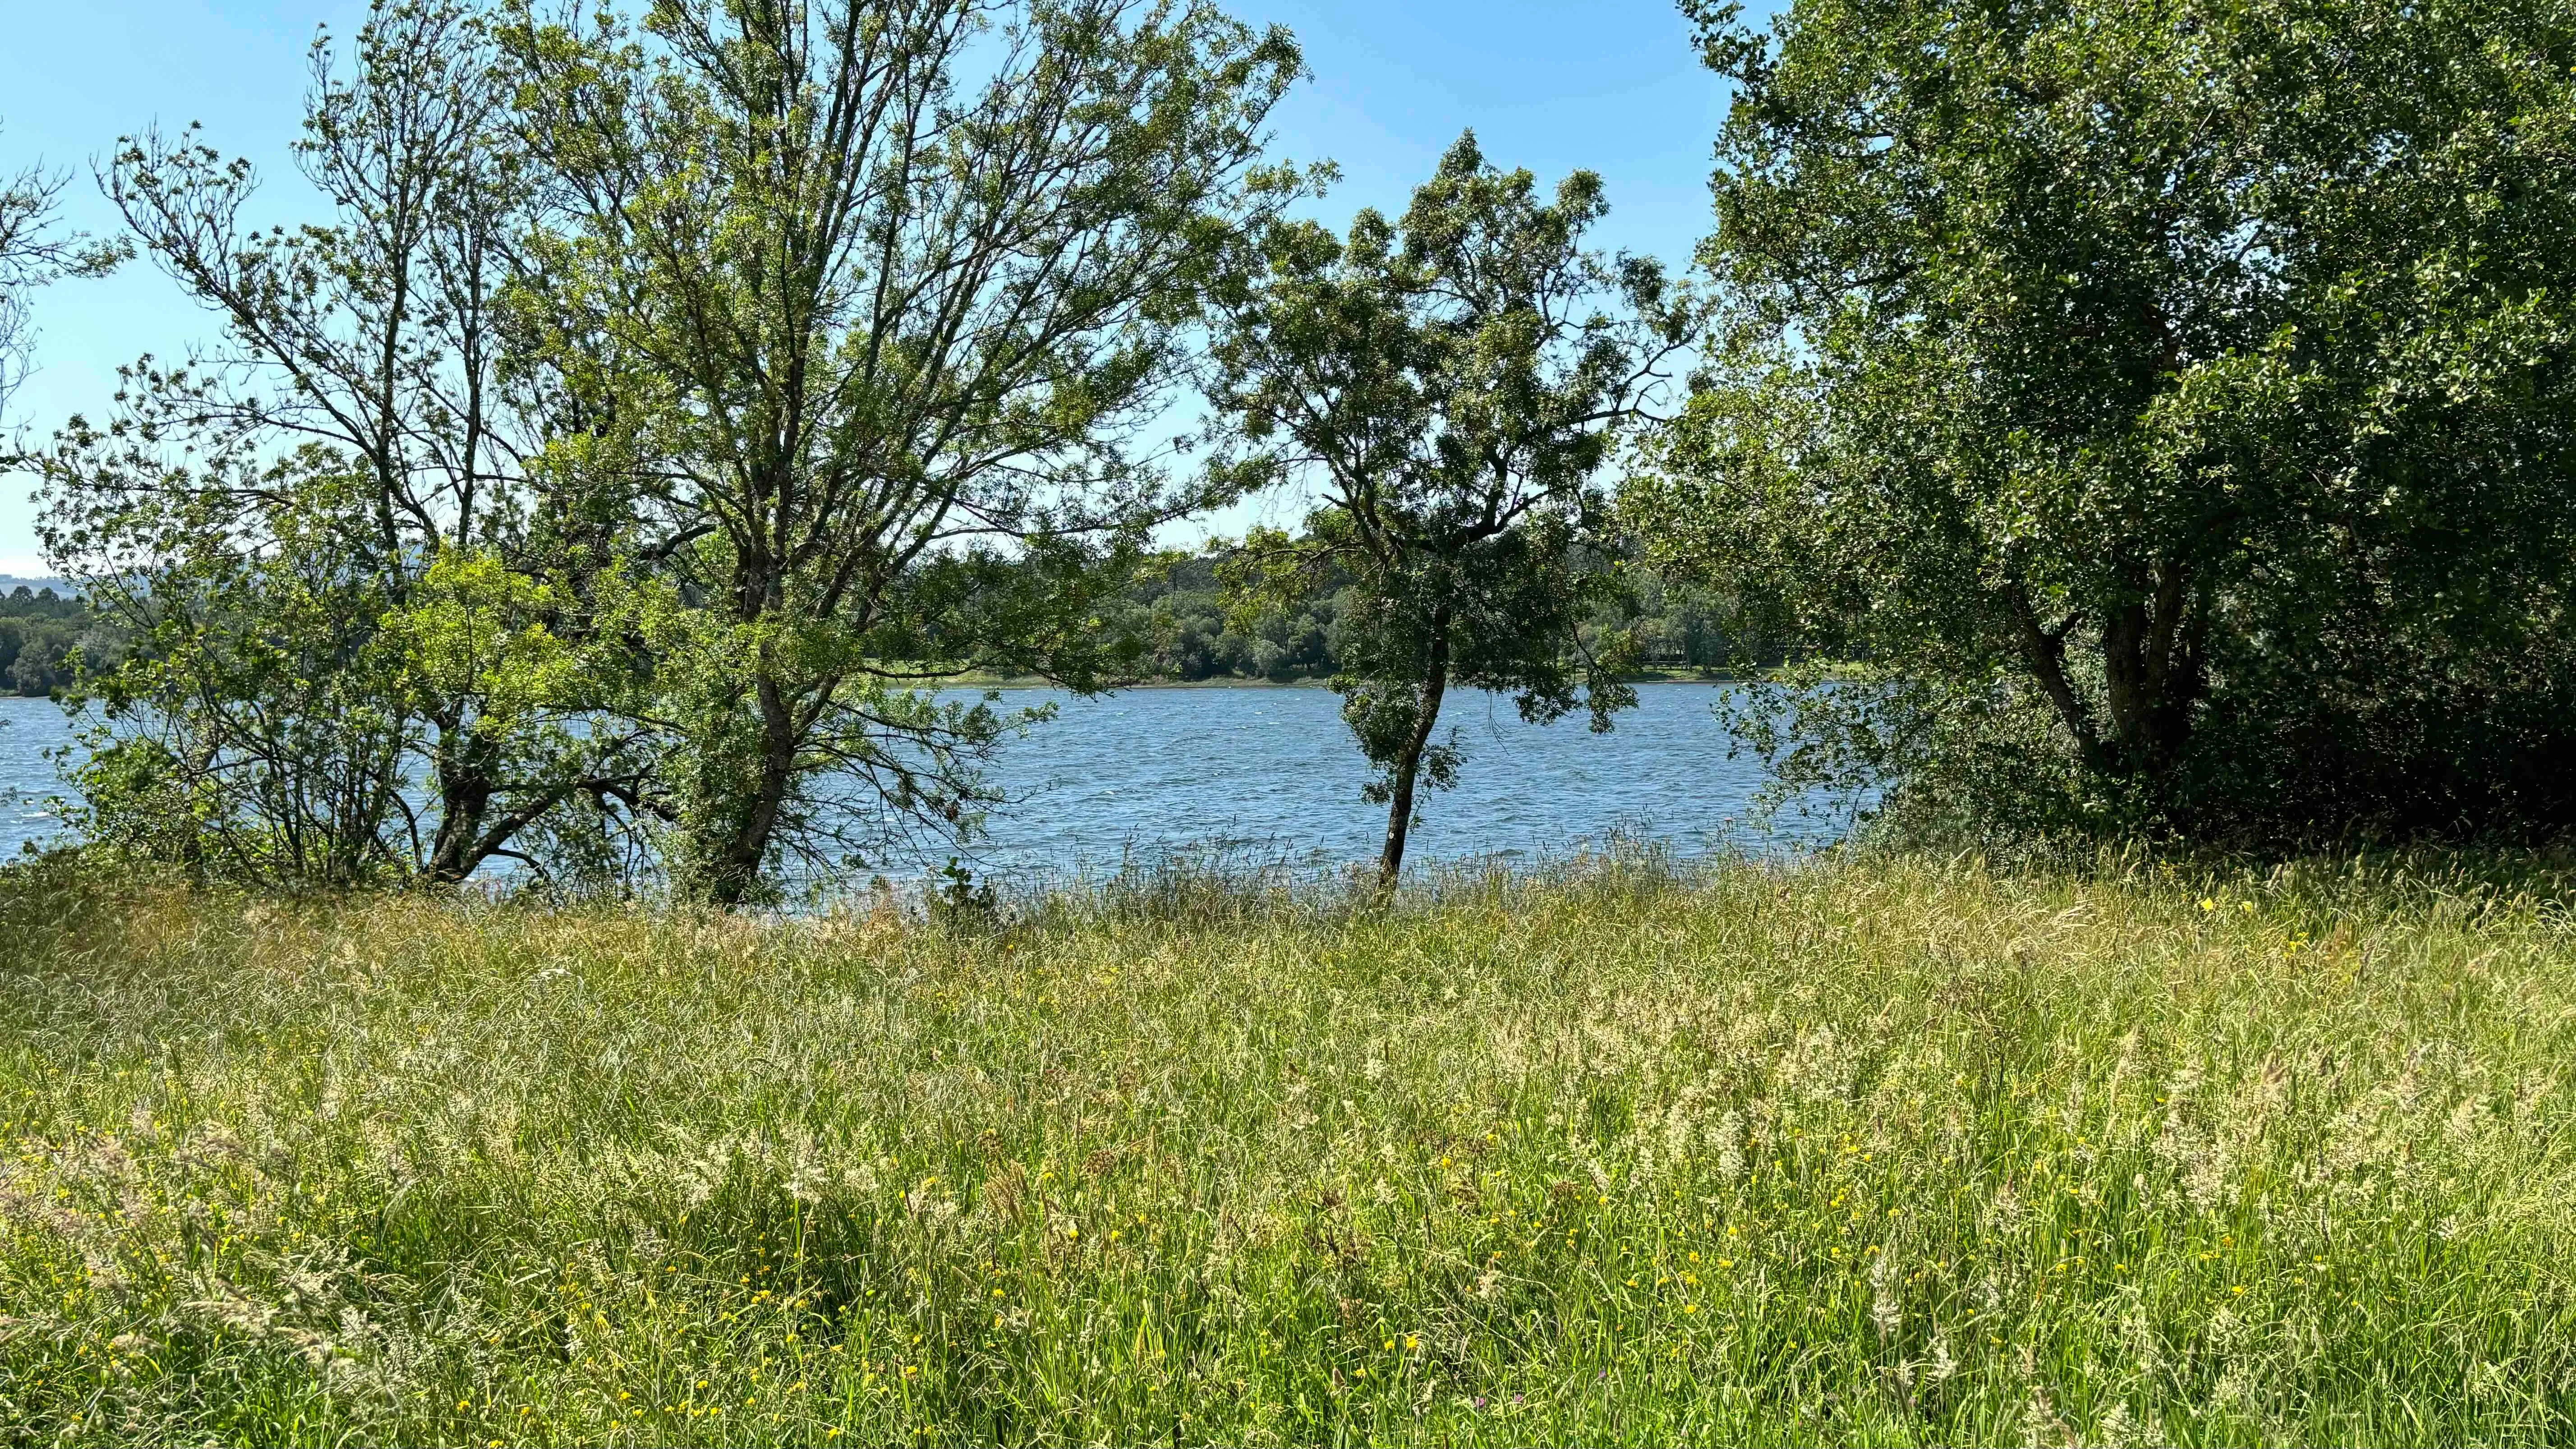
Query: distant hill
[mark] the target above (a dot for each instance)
(35, 585)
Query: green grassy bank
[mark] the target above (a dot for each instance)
(1879, 1153)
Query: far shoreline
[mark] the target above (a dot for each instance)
(1031, 681)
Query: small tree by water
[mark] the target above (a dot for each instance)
(1449, 384)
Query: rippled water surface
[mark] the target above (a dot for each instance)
(28, 727)
(1266, 774)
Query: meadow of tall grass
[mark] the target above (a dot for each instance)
(1883, 1151)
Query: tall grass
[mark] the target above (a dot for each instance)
(1878, 1152)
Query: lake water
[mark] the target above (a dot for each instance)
(1261, 775)
(28, 727)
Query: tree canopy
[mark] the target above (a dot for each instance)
(887, 294)
(2153, 414)
(360, 646)
(1451, 384)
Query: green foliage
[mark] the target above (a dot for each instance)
(2160, 405)
(367, 645)
(45, 639)
(885, 294)
(1191, 631)
(1862, 1153)
(252, 730)
(1449, 385)
(661, 413)
(1186, 628)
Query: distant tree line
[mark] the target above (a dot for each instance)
(1192, 627)
(39, 632)
(2096, 419)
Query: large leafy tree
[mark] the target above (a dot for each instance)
(362, 648)
(2157, 411)
(899, 286)
(1449, 385)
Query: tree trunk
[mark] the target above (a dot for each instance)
(1408, 766)
(2151, 671)
(2044, 651)
(462, 802)
(735, 870)
(465, 841)
(465, 791)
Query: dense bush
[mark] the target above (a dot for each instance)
(2154, 418)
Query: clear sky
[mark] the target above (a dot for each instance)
(1613, 85)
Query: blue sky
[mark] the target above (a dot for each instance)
(1609, 84)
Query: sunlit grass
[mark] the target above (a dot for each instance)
(1880, 1152)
